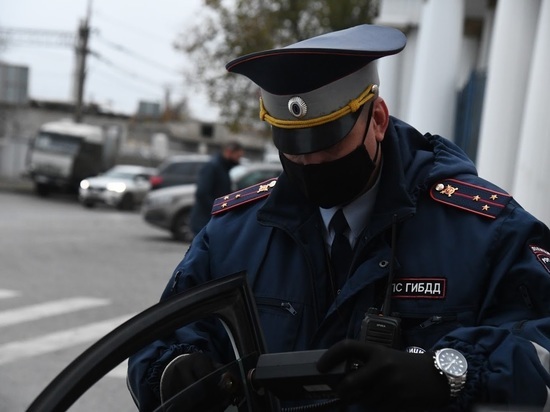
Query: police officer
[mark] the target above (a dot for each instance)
(371, 217)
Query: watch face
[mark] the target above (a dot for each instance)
(452, 362)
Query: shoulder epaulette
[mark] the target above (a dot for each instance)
(243, 196)
(469, 197)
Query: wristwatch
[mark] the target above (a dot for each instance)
(454, 366)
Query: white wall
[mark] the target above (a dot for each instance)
(513, 49)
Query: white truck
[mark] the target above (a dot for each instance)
(63, 153)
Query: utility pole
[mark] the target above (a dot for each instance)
(81, 54)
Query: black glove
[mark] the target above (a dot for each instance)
(385, 377)
(184, 371)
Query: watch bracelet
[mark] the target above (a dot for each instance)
(456, 385)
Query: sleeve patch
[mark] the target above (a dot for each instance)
(243, 196)
(475, 199)
(542, 255)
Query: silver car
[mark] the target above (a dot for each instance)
(170, 208)
(123, 187)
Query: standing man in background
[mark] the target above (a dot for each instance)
(214, 182)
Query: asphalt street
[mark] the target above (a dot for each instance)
(69, 275)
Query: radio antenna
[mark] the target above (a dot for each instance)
(389, 286)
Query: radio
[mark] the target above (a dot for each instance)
(381, 329)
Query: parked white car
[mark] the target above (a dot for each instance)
(170, 208)
(123, 187)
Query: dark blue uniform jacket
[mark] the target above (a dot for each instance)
(471, 272)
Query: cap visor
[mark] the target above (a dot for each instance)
(313, 139)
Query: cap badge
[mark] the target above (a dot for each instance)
(297, 107)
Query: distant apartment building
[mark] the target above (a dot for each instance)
(14, 84)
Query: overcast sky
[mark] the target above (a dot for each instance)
(133, 40)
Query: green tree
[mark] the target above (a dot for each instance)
(234, 28)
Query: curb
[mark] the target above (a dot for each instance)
(16, 185)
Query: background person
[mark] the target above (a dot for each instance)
(450, 256)
(213, 182)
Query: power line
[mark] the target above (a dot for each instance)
(42, 37)
(129, 52)
(80, 43)
(121, 23)
(137, 83)
(123, 70)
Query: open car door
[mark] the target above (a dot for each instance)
(228, 299)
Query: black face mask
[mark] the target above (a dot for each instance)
(332, 183)
(336, 182)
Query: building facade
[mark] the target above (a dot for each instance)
(474, 71)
